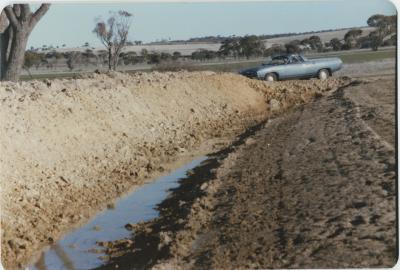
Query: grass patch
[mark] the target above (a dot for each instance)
(365, 56)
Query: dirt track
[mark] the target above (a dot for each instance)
(313, 188)
(70, 147)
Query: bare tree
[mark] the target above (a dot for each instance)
(16, 24)
(113, 34)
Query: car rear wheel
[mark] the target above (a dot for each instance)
(271, 77)
(323, 74)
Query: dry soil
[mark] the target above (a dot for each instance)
(70, 147)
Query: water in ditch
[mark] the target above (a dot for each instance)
(75, 250)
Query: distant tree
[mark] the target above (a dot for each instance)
(86, 44)
(314, 42)
(31, 59)
(251, 46)
(384, 25)
(335, 44)
(274, 50)
(145, 54)
(393, 38)
(154, 58)
(165, 56)
(73, 58)
(230, 47)
(113, 34)
(345, 47)
(364, 42)
(87, 55)
(129, 58)
(57, 55)
(375, 39)
(350, 38)
(176, 55)
(138, 42)
(387, 23)
(18, 22)
(203, 55)
(42, 59)
(102, 57)
(293, 46)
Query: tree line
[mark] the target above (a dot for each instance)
(253, 46)
(17, 22)
(75, 59)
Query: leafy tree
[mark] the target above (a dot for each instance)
(364, 42)
(293, 46)
(130, 58)
(17, 23)
(314, 42)
(176, 55)
(31, 59)
(203, 55)
(230, 47)
(275, 50)
(154, 58)
(335, 44)
(165, 56)
(251, 46)
(345, 47)
(113, 34)
(375, 40)
(87, 55)
(385, 26)
(350, 37)
(144, 53)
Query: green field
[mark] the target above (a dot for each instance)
(347, 57)
(365, 56)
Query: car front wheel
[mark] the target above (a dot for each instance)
(323, 74)
(271, 77)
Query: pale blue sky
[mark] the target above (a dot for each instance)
(72, 24)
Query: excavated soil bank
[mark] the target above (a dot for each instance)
(70, 147)
(314, 187)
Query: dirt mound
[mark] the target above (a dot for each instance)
(71, 146)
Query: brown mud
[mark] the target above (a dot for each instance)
(314, 187)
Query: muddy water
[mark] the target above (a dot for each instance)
(78, 249)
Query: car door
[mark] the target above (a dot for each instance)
(294, 68)
(308, 68)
